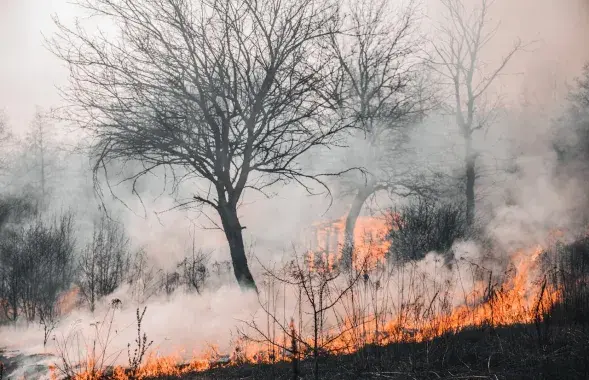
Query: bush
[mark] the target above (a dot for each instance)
(194, 270)
(105, 261)
(36, 266)
(570, 274)
(425, 225)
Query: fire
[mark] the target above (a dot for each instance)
(521, 299)
(521, 295)
(68, 300)
(370, 242)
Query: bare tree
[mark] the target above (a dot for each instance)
(6, 137)
(231, 93)
(458, 59)
(37, 142)
(48, 319)
(380, 94)
(34, 160)
(169, 281)
(104, 262)
(194, 270)
(143, 277)
(12, 269)
(572, 128)
(36, 266)
(50, 253)
(13, 212)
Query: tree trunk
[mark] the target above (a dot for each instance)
(470, 182)
(357, 203)
(233, 233)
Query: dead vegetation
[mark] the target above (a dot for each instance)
(350, 325)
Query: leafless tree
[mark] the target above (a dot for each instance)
(50, 249)
(104, 262)
(38, 145)
(143, 277)
(381, 95)
(458, 58)
(6, 137)
(231, 93)
(5, 131)
(194, 270)
(48, 319)
(13, 212)
(12, 282)
(36, 264)
(170, 281)
(572, 128)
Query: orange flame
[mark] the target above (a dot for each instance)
(522, 297)
(370, 242)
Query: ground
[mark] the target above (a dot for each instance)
(533, 352)
(515, 352)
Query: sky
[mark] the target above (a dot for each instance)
(557, 31)
(29, 73)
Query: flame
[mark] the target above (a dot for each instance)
(520, 297)
(370, 242)
(68, 301)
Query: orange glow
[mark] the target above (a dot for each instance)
(67, 301)
(370, 242)
(521, 296)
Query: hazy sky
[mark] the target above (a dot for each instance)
(29, 73)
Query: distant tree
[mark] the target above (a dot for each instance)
(458, 47)
(194, 271)
(52, 249)
(12, 281)
(14, 211)
(3, 121)
(35, 160)
(572, 129)
(170, 281)
(381, 95)
(6, 137)
(36, 265)
(38, 142)
(104, 262)
(143, 277)
(232, 93)
(5, 132)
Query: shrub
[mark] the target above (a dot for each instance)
(104, 263)
(570, 273)
(36, 266)
(425, 225)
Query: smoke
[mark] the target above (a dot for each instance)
(523, 198)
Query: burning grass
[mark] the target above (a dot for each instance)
(337, 313)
